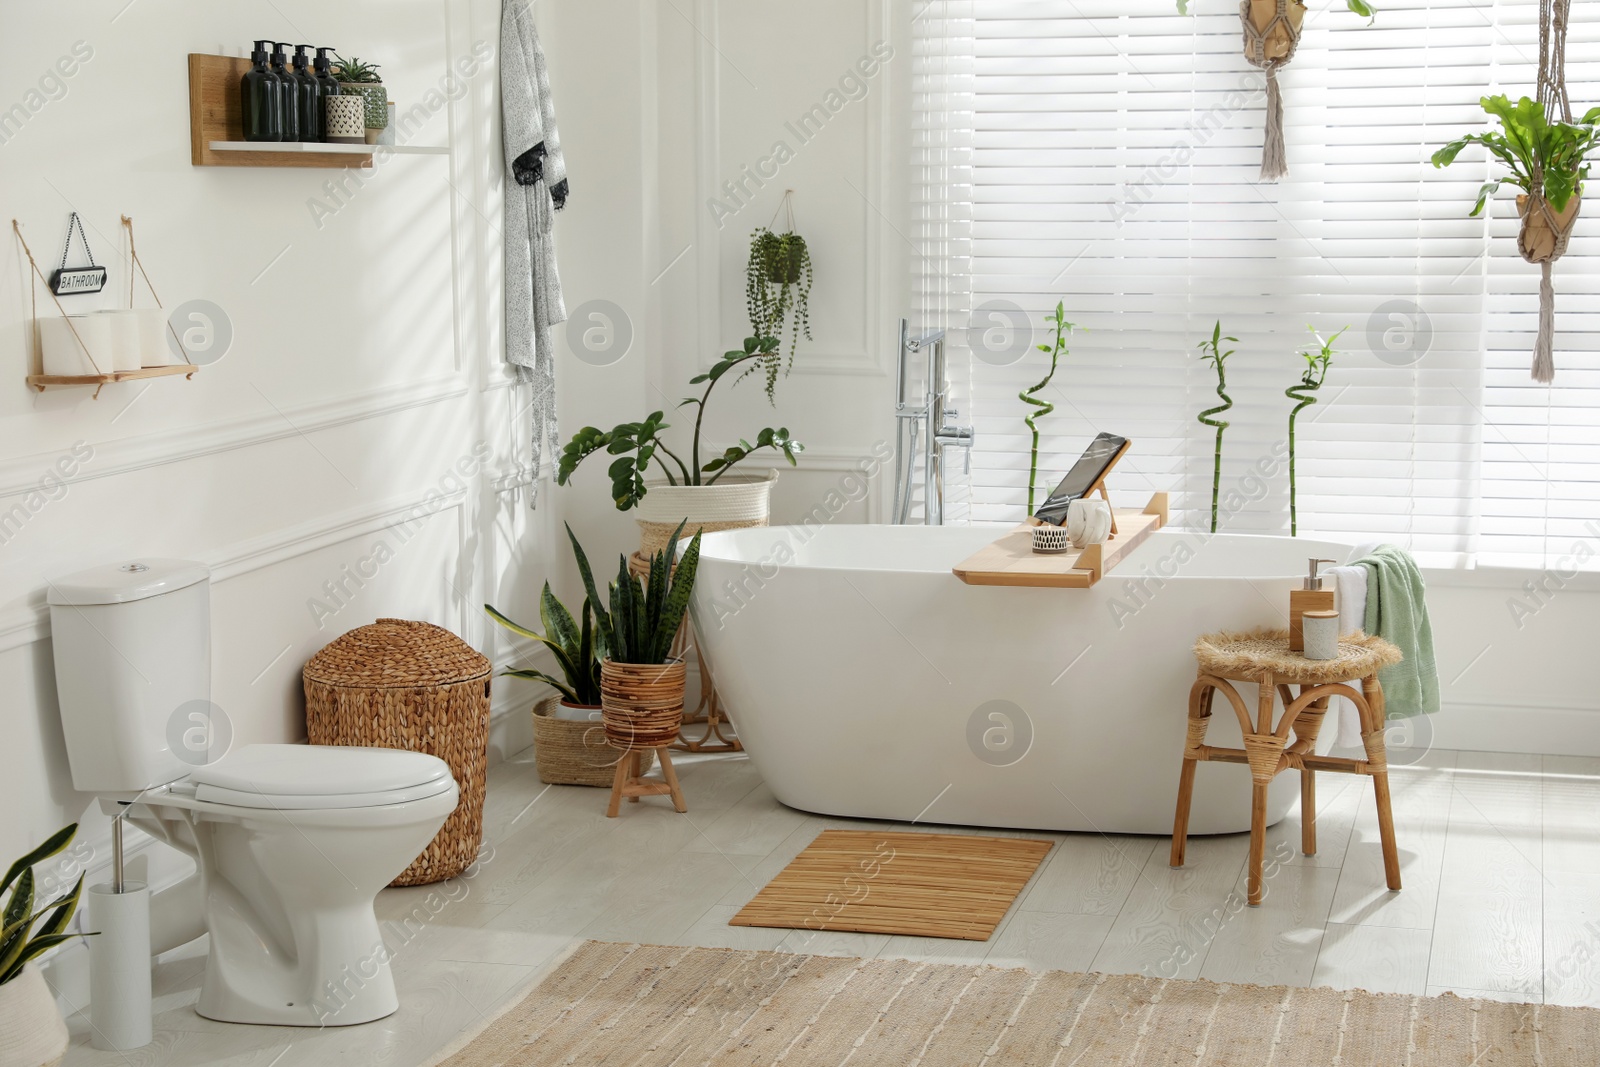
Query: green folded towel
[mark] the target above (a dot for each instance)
(1397, 611)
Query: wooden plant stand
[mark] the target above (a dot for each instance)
(631, 783)
(1264, 658)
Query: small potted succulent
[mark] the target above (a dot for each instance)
(361, 79)
(569, 744)
(695, 492)
(32, 1033)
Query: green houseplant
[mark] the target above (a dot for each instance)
(1304, 394)
(1055, 351)
(356, 78)
(694, 491)
(33, 1030)
(777, 292)
(1547, 159)
(575, 646)
(1212, 353)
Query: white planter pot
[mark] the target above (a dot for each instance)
(32, 1033)
(732, 503)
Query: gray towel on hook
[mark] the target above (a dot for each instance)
(536, 188)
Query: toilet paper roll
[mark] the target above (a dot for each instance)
(155, 339)
(124, 328)
(62, 345)
(119, 967)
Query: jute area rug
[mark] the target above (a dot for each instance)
(876, 882)
(649, 1005)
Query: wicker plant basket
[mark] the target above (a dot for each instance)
(574, 753)
(733, 503)
(641, 703)
(415, 686)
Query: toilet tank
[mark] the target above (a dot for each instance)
(132, 645)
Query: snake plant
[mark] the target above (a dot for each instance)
(1055, 351)
(576, 647)
(1214, 355)
(1304, 393)
(645, 612)
(635, 444)
(20, 942)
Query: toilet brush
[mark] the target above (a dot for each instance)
(119, 958)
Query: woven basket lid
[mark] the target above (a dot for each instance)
(396, 653)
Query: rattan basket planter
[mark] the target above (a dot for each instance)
(733, 503)
(641, 703)
(414, 686)
(566, 752)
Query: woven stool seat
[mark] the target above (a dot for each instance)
(1263, 657)
(1264, 654)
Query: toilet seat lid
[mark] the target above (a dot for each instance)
(323, 771)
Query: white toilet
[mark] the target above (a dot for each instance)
(293, 842)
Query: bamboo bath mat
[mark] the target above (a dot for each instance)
(926, 885)
(649, 1006)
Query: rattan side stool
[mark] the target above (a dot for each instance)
(1263, 657)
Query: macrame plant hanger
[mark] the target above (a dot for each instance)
(1545, 232)
(1271, 35)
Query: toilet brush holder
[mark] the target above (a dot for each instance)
(119, 967)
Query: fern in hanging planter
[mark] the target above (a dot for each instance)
(777, 291)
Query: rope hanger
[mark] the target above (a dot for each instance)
(1545, 233)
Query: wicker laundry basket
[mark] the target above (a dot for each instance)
(416, 686)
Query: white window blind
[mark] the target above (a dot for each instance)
(1106, 154)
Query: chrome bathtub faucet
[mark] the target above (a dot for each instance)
(930, 423)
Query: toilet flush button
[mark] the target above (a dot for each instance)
(134, 568)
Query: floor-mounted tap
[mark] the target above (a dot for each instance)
(928, 423)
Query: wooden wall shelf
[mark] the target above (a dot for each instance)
(1012, 561)
(42, 382)
(216, 127)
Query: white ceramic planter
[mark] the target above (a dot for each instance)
(32, 1033)
(733, 502)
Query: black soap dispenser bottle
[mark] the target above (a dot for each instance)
(289, 88)
(261, 99)
(310, 95)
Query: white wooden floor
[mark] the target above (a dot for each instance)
(1501, 861)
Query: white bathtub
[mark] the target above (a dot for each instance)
(867, 680)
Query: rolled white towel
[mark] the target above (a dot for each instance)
(1350, 585)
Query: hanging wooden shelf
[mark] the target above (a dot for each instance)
(42, 382)
(1012, 560)
(216, 127)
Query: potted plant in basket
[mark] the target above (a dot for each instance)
(641, 679)
(1548, 162)
(356, 78)
(569, 744)
(695, 493)
(777, 289)
(32, 1033)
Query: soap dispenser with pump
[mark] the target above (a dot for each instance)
(289, 87)
(310, 95)
(1311, 596)
(261, 99)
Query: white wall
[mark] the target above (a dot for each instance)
(360, 423)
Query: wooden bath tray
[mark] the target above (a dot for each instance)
(1012, 560)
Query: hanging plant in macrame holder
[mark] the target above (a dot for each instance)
(1271, 35)
(1546, 153)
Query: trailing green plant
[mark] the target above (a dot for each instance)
(578, 650)
(1305, 394)
(1213, 354)
(777, 292)
(354, 71)
(635, 444)
(1055, 351)
(1360, 7)
(644, 613)
(21, 940)
(1532, 148)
